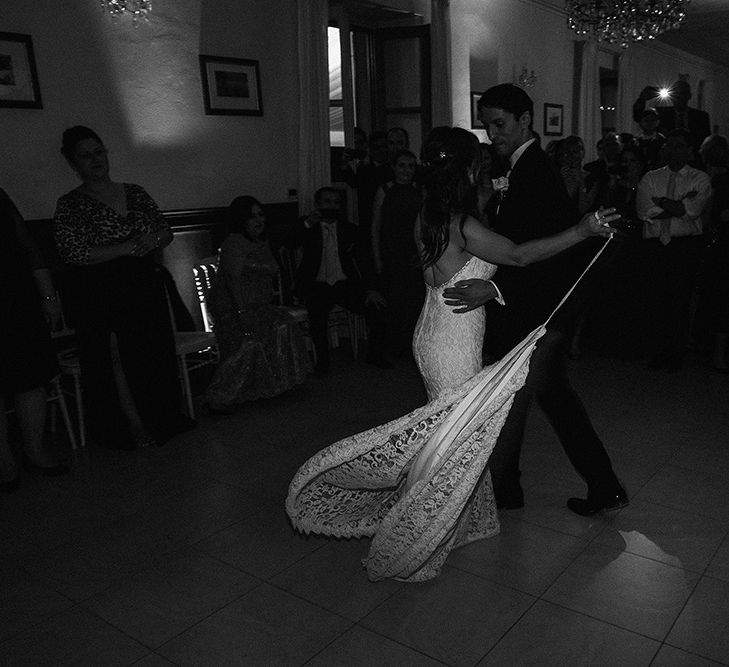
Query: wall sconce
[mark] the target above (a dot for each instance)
(526, 79)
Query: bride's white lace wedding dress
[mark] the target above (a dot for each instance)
(419, 485)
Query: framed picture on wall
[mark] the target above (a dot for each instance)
(18, 76)
(231, 86)
(475, 122)
(553, 120)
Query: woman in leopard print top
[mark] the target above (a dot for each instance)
(107, 234)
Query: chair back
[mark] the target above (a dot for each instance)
(204, 274)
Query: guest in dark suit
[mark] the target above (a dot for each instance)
(680, 116)
(335, 269)
(536, 204)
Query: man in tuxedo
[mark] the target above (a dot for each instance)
(679, 116)
(535, 204)
(335, 270)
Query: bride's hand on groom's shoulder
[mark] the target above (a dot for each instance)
(466, 295)
(598, 223)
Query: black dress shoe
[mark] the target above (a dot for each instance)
(595, 504)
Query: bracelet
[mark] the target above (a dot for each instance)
(49, 298)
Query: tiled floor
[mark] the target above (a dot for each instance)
(183, 554)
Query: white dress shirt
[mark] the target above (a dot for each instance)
(330, 269)
(688, 181)
(499, 298)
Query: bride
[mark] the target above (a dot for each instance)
(419, 485)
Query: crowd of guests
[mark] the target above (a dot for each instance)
(670, 183)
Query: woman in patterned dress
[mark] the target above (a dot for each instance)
(107, 234)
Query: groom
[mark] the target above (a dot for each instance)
(534, 204)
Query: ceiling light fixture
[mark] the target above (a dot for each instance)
(624, 21)
(137, 8)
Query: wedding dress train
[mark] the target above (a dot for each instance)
(419, 484)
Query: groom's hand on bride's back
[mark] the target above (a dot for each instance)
(469, 294)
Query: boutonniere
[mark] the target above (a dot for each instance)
(500, 185)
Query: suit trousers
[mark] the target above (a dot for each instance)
(549, 384)
(322, 297)
(670, 280)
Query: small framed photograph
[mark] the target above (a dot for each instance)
(475, 122)
(553, 120)
(18, 76)
(231, 86)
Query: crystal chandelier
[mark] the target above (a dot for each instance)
(137, 8)
(624, 21)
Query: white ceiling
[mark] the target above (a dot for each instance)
(704, 32)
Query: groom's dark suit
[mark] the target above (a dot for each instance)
(536, 205)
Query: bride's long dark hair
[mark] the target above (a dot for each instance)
(452, 158)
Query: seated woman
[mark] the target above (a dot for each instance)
(27, 360)
(106, 233)
(262, 349)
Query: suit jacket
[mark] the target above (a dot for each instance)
(535, 205)
(351, 255)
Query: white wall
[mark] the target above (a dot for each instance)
(493, 39)
(140, 90)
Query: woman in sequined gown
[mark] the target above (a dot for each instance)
(262, 350)
(419, 485)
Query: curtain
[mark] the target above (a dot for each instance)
(441, 62)
(626, 92)
(590, 128)
(313, 100)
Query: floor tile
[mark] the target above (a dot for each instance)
(719, 566)
(154, 660)
(57, 516)
(333, 577)
(524, 556)
(703, 626)
(178, 591)
(694, 491)
(665, 534)
(263, 544)
(629, 591)
(431, 617)
(74, 637)
(551, 636)
(359, 647)
(265, 627)
(92, 563)
(669, 656)
(25, 601)
(200, 513)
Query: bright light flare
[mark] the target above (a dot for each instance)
(664, 93)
